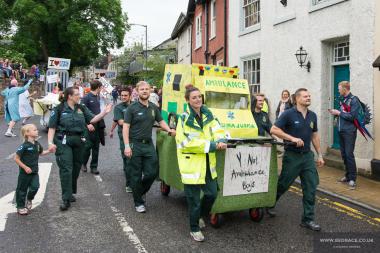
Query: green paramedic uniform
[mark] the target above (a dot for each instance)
(299, 161)
(118, 114)
(70, 142)
(144, 159)
(28, 184)
(197, 137)
(263, 122)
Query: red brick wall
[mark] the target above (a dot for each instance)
(215, 45)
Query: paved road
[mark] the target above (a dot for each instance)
(103, 218)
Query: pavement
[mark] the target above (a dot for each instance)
(103, 218)
(365, 195)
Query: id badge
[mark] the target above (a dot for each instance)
(64, 140)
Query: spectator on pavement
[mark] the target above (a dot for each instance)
(25, 108)
(11, 105)
(284, 103)
(347, 113)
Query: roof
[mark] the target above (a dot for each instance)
(184, 20)
(376, 63)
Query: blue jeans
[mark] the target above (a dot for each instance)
(347, 146)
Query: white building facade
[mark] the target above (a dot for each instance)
(339, 38)
(182, 32)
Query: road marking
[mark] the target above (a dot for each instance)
(6, 205)
(128, 231)
(10, 156)
(352, 212)
(98, 178)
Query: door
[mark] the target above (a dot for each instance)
(341, 73)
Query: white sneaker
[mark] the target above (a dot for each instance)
(22, 211)
(352, 185)
(140, 209)
(202, 223)
(197, 236)
(29, 204)
(10, 134)
(128, 189)
(343, 180)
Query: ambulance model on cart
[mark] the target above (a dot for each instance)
(247, 170)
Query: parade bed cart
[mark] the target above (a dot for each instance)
(247, 175)
(43, 106)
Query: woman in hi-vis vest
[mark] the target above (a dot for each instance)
(198, 137)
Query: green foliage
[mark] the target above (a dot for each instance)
(80, 30)
(14, 56)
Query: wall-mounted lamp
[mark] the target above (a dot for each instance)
(284, 2)
(301, 56)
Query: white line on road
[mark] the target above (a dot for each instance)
(10, 156)
(6, 205)
(128, 230)
(98, 178)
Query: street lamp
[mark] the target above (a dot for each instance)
(301, 56)
(146, 47)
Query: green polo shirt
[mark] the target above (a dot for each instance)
(118, 114)
(263, 122)
(29, 153)
(141, 119)
(73, 121)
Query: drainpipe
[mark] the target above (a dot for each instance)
(205, 6)
(225, 33)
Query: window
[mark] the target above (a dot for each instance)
(213, 19)
(188, 48)
(251, 10)
(341, 52)
(176, 82)
(198, 32)
(222, 100)
(251, 72)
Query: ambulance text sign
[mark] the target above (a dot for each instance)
(246, 170)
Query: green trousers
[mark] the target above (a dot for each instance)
(27, 187)
(143, 168)
(125, 161)
(69, 158)
(198, 208)
(92, 148)
(300, 164)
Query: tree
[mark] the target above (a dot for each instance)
(80, 30)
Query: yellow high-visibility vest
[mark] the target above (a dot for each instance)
(194, 142)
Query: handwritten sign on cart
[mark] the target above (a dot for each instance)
(246, 170)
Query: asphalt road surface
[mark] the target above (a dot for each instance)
(104, 220)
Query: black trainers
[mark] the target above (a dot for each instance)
(65, 205)
(84, 168)
(311, 225)
(95, 172)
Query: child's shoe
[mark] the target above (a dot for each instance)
(22, 211)
(29, 204)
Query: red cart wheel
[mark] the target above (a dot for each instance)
(165, 189)
(256, 214)
(216, 220)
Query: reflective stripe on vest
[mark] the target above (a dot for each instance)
(194, 176)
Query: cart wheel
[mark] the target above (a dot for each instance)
(216, 220)
(256, 214)
(165, 189)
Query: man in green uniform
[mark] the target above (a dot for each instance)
(118, 118)
(67, 125)
(261, 118)
(137, 134)
(299, 125)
